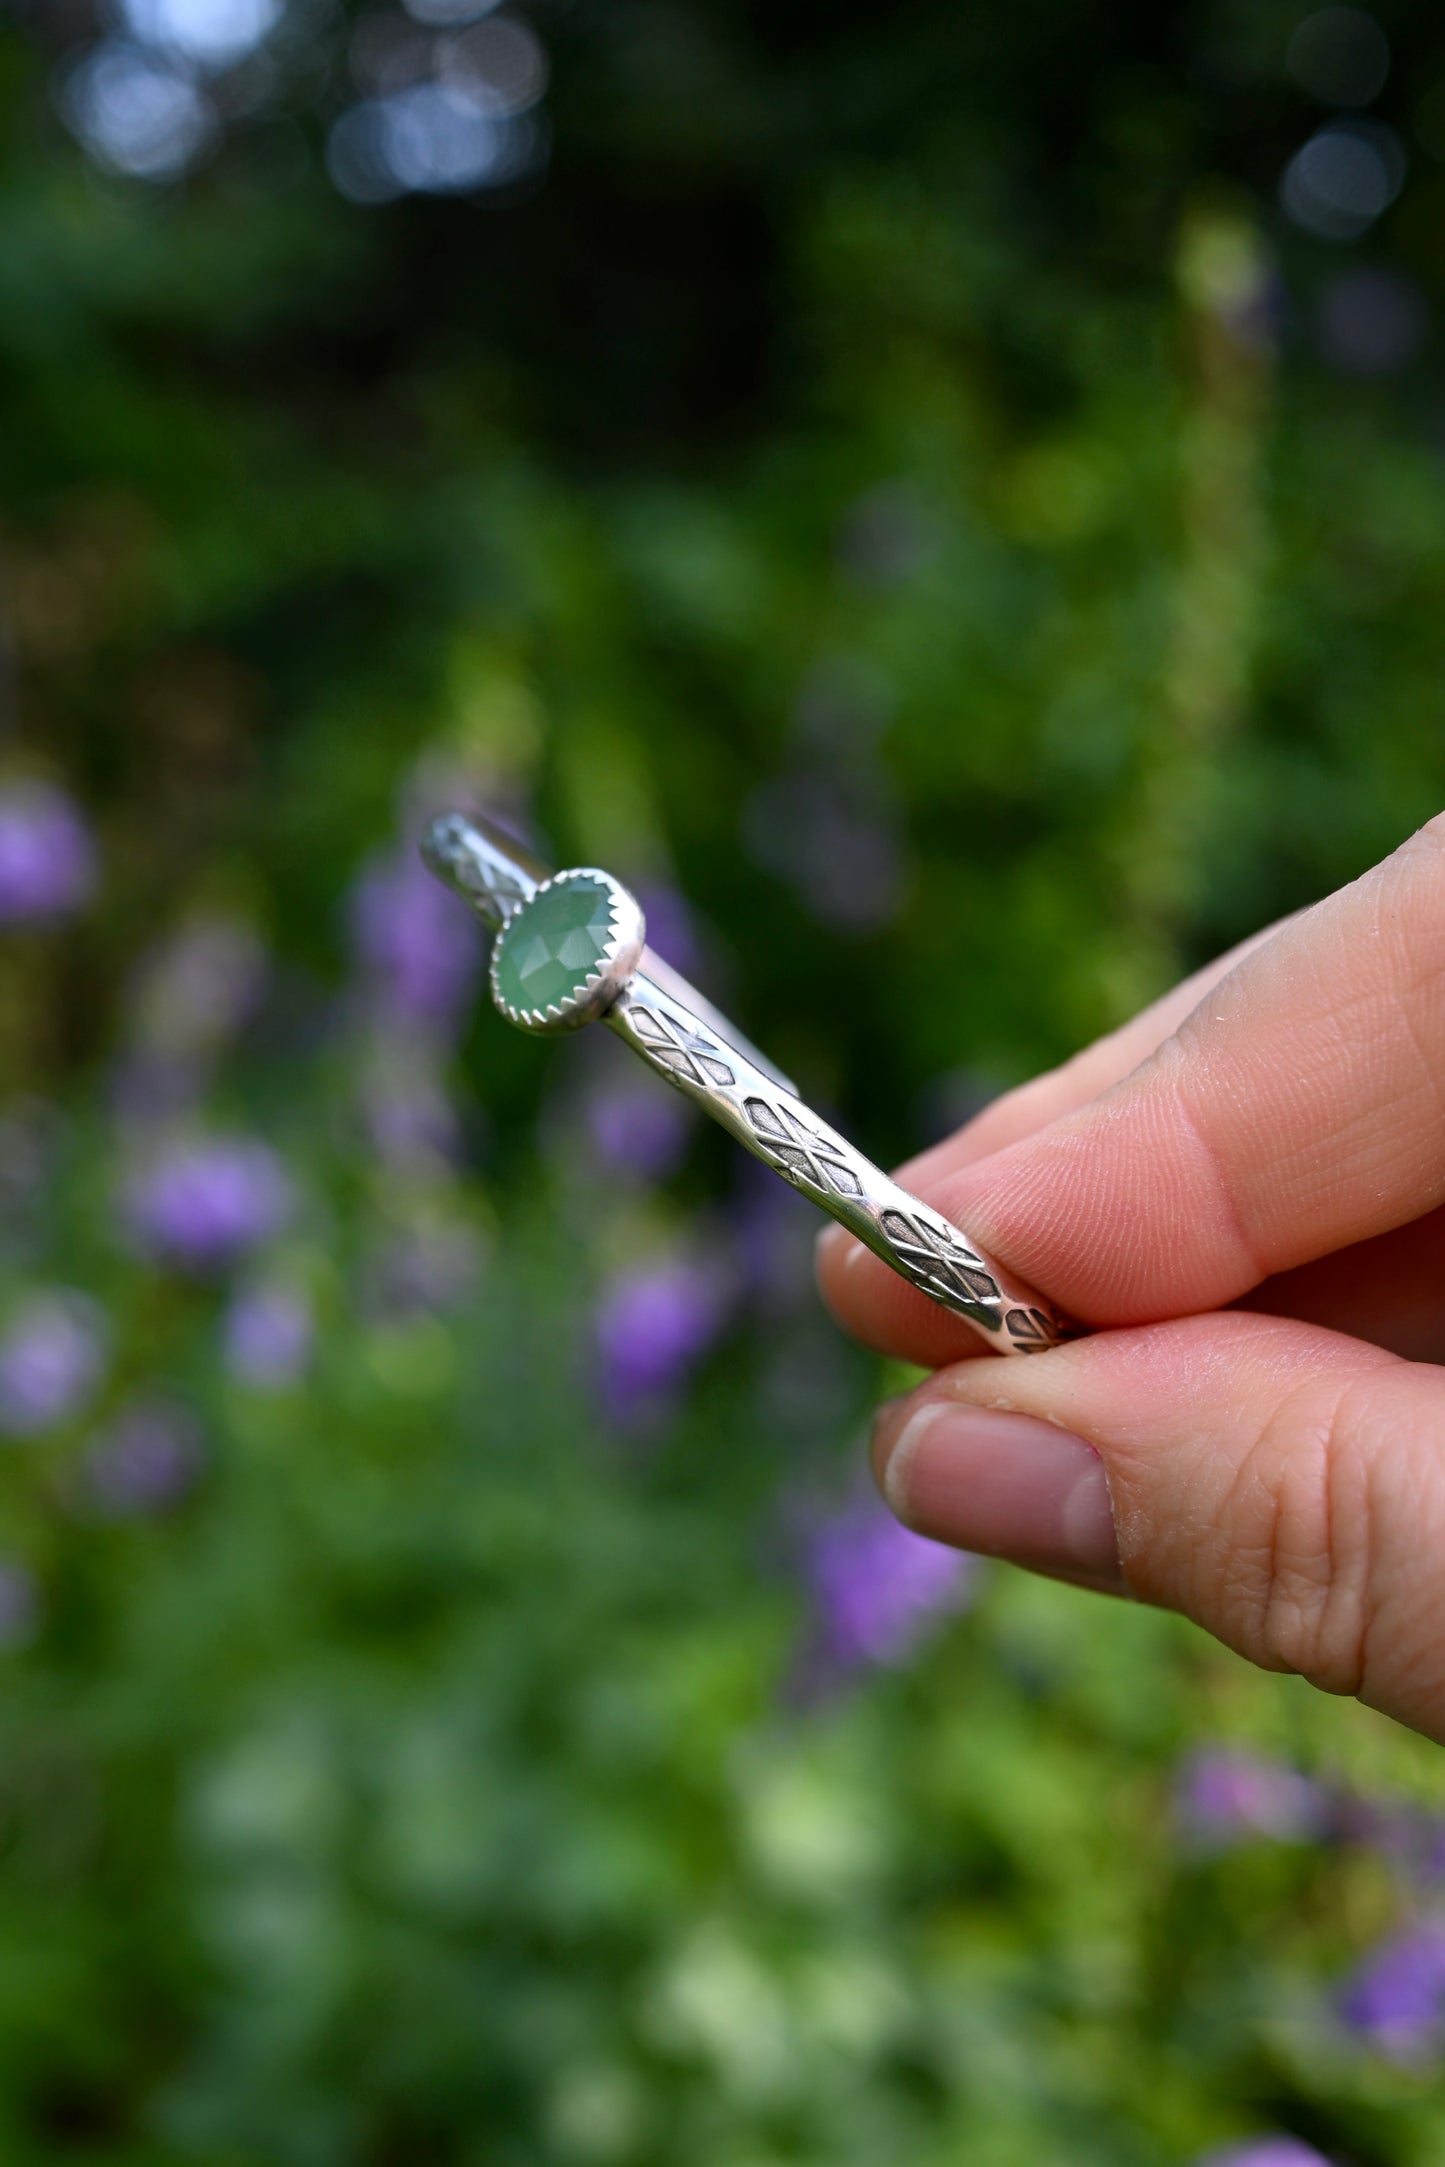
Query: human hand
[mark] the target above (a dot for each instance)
(1270, 1136)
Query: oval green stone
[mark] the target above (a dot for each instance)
(554, 944)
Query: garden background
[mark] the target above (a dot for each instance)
(949, 502)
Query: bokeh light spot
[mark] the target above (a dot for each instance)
(1343, 178)
(135, 114)
(211, 33)
(499, 66)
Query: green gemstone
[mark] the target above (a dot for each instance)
(554, 945)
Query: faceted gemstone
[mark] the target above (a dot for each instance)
(554, 945)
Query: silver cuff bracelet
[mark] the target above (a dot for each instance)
(570, 949)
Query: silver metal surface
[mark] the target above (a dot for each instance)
(488, 868)
(699, 1053)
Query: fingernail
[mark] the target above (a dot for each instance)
(1004, 1484)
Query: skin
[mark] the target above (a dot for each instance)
(1243, 1193)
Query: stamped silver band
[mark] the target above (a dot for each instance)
(692, 1047)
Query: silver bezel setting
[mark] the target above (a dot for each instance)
(626, 940)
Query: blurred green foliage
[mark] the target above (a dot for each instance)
(910, 428)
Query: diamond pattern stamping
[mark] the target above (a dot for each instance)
(939, 1261)
(689, 1055)
(799, 1150)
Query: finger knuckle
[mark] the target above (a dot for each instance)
(1307, 1597)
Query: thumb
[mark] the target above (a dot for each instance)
(1282, 1485)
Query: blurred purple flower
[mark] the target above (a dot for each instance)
(267, 1336)
(1396, 1999)
(654, 1323)
(19, 1604)
(1409, 1838)
(877, 1586)
(52, 1358)
(418, 946)
(637, 1128)
(145, 1462)
(201, 1203)
(1224, 1796)
(47, 859)
(1266, 2152)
